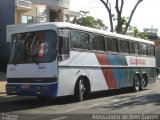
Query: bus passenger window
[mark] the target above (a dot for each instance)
(64, 43)
(137, 48)
(124, 46)
(112, 44)
(97, 42)
(134, 48)
(80, 40)
(151, 50)
(115, 45)
(143, 49)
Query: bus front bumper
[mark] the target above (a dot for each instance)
(48, 90)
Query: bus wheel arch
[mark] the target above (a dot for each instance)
(136, 82)
(144, 81)
(82, 88)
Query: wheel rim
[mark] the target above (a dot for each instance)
(143, 83)
(137, 83)
(81, 90)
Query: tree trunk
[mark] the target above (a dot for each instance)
(110, 14)
(131, 15)
(119, 15)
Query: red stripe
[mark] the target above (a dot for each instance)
(107, 72)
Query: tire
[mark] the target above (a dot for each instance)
(80, 90)
(136, 83)
(143, 83)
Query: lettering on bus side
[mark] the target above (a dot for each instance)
(137, 61)
(41, 68)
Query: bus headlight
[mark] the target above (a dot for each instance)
(10, 87)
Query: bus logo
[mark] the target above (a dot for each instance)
(137, 61)
(41, 68)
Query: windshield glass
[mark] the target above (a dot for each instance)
(33, 47)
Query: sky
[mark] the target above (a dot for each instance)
(147, 14)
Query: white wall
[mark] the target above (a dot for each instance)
(53, 4)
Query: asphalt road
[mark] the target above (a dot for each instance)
(103, 105)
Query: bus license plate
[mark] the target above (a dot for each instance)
(25, 86)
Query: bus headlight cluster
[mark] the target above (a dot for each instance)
(11, 87)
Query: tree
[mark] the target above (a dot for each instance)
(123, 24)
(119, 9)
(139, 34)
(89, 21)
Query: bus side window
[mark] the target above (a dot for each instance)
(137, 49)
(64, 44)
(143, 49)
(97, 42)
(80, 40)
(115, 45)
(151, 50)
(109, 43)
(134, 48)
(60, 45)
(124, 46)
(112, 44)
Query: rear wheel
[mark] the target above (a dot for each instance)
(137, 83)
(143, 83)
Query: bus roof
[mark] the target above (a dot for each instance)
(49, 25)
(87, 29)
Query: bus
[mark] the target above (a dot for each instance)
(61, 59)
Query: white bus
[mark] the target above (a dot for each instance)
(61, 59)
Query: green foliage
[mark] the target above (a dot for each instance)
(138, 34)
(90, 21)
(134, 30)
(123, 22)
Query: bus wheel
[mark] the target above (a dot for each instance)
(136, 83)
(143, 83)
(80, 90)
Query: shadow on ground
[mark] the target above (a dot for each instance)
(134, 102)
(38, 103)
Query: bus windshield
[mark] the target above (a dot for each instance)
(33, 47)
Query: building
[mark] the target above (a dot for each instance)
(31, 11)
(152, 33)
(28, 11)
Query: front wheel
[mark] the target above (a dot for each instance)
(80, 90)
(137, 83)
